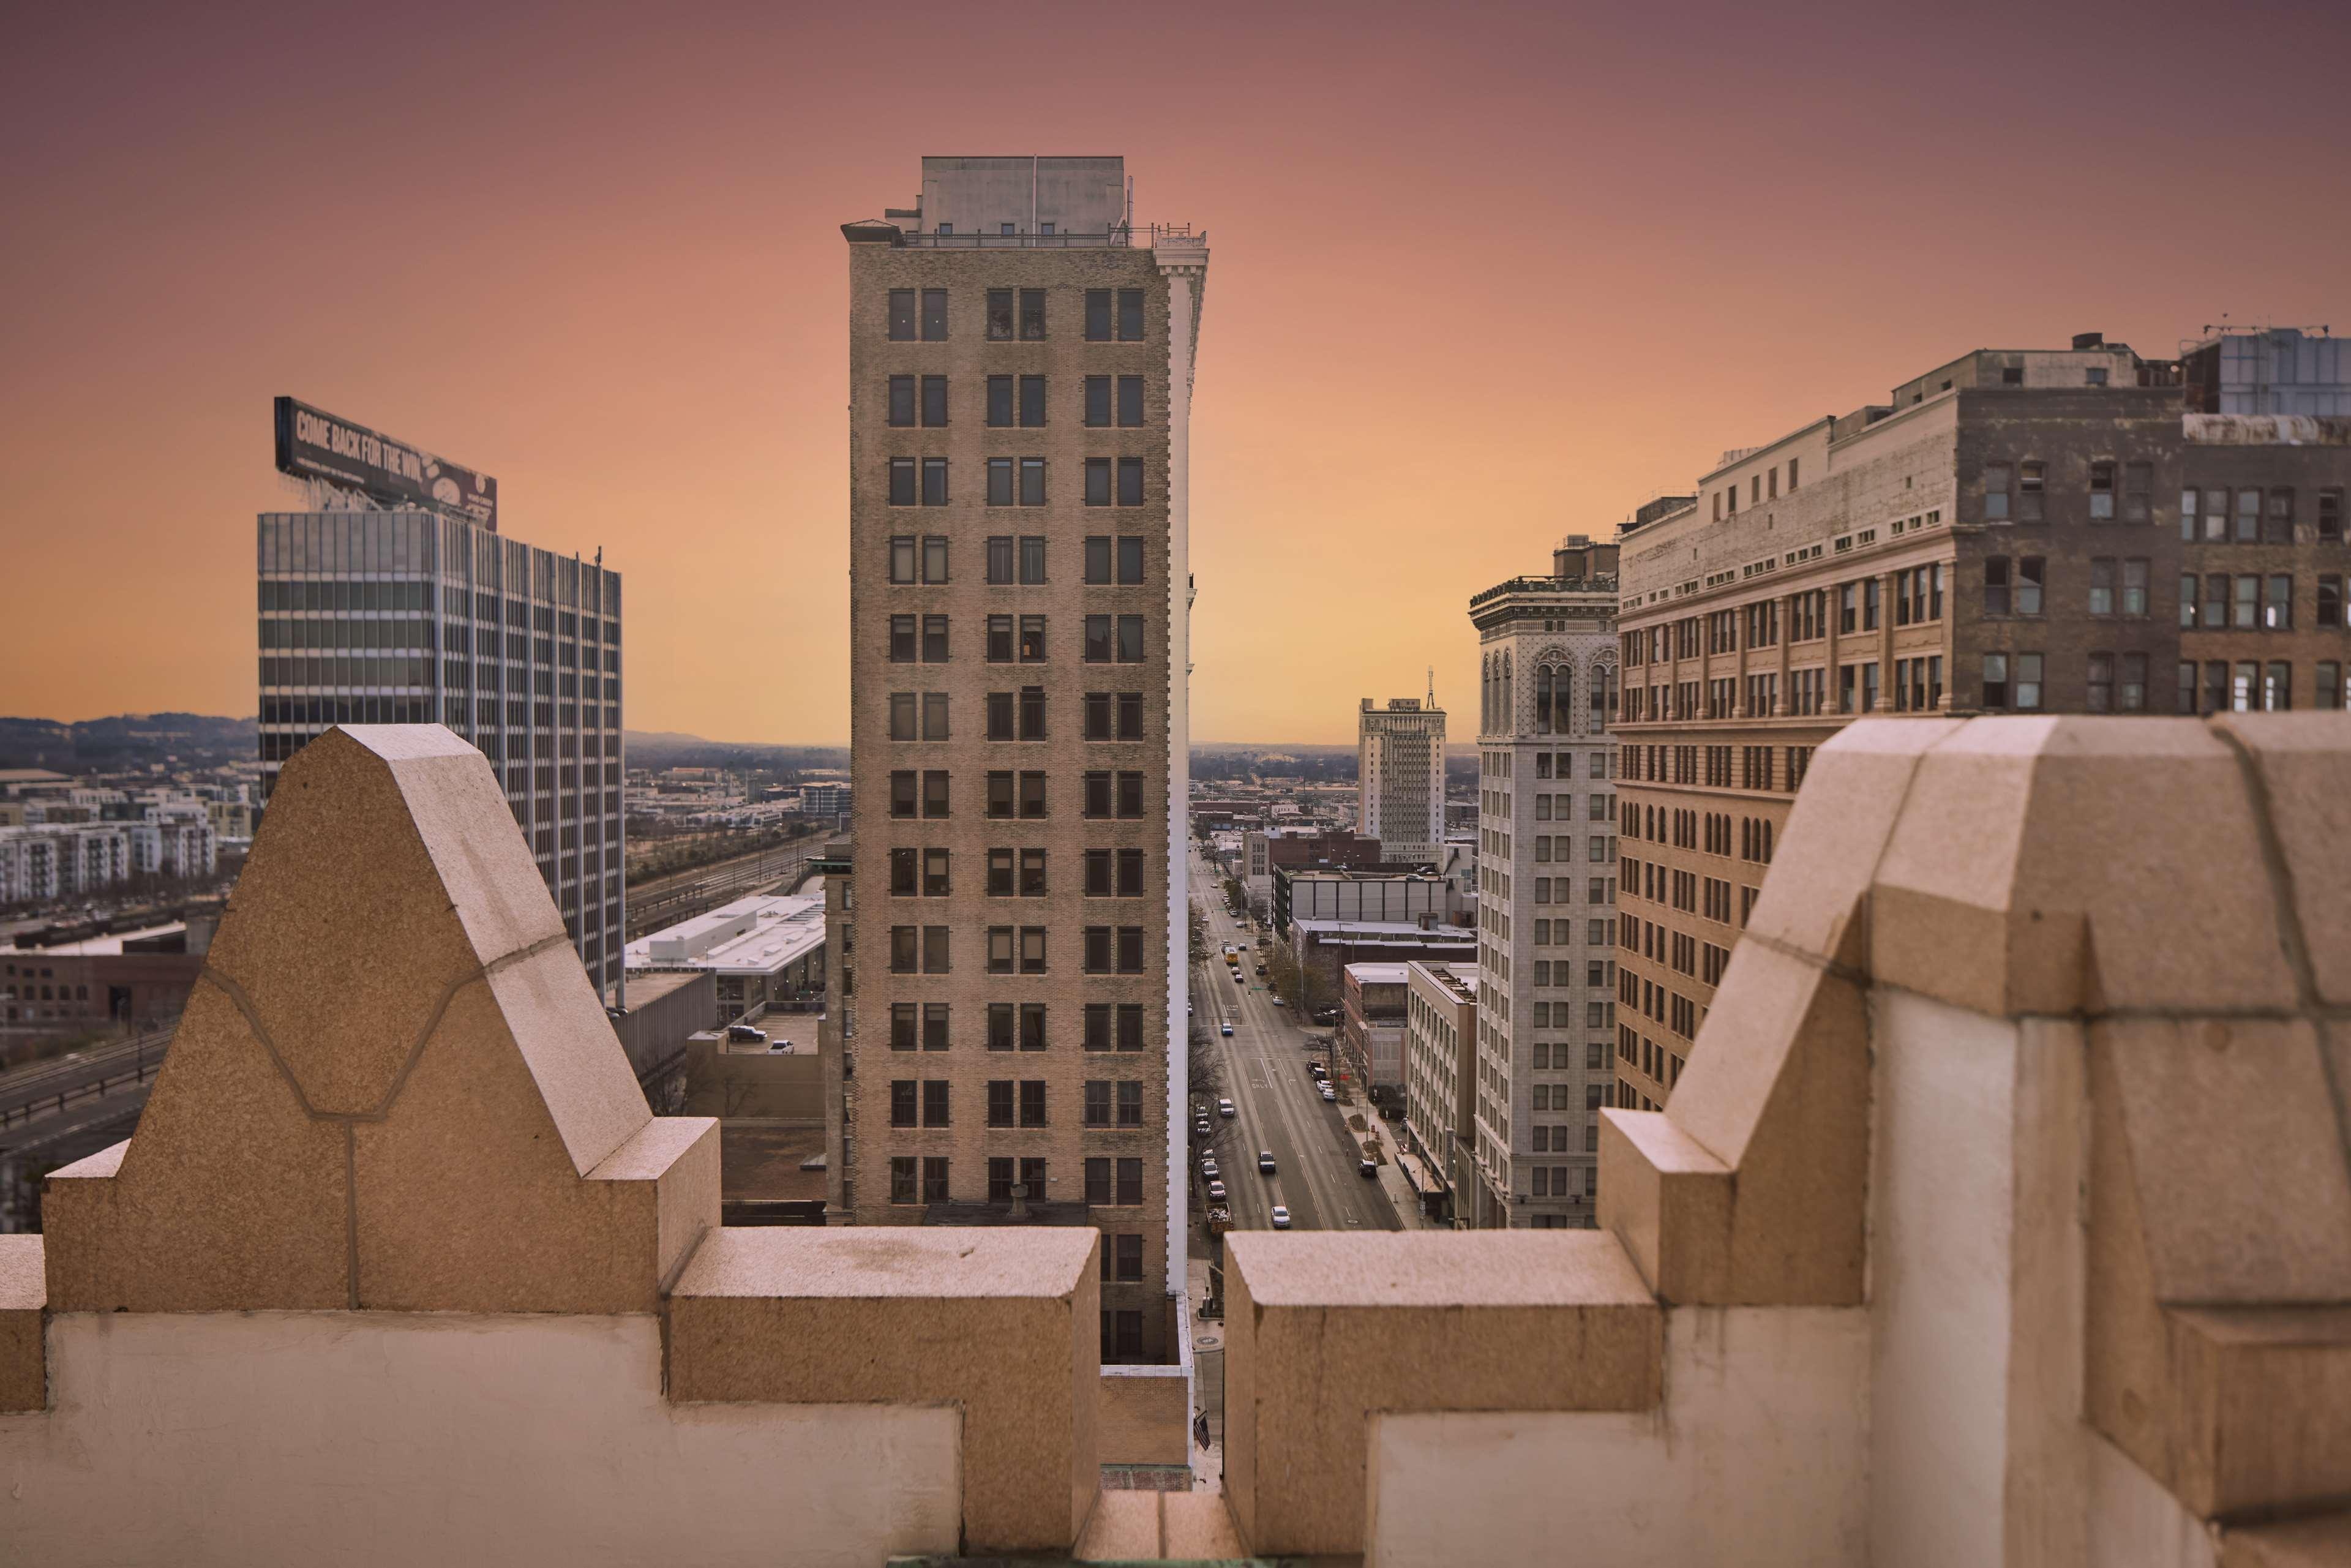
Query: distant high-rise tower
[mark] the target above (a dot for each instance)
(1400, 778)
(393, 601)
(1020, 383)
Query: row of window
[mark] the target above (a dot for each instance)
(1016, 950)
(1107, 640)
(1013, 874)
(1011, 716)
(1016, 1026)
(1015, 559)
(1110, 1183)
(1015, 481)
(2254, 517)
(921, 315)
(930, 1103)
(1656, 763)
(1017, 402)
(928, 792)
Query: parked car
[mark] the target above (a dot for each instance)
(1208, 1171)
(1216, 1192)
(1281, 1218)
(1367, 1167)
(1200, 1128)
(747, 1034)
(1225, 1030)
(1224, 1108)
(1318, 1071)
(1265, 1161)
(1330, 1096)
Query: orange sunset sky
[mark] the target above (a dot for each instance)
(1483, 275)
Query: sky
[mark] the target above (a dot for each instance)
(1481, 276)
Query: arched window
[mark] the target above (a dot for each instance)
(1543, 699)
(1486, 694)
(1602, 696)
(1510, 714)
(1561, 696)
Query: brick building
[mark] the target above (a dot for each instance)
(2075, 530)
(1020, 383)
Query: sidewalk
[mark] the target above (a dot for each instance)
(1207, 1379)
(1392, 1180)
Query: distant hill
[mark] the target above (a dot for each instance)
(668, 749)
(126, 741)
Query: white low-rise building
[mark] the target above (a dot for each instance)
(767, 951)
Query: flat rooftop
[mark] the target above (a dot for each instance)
(755, 935)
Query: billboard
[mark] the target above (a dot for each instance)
(315, 445)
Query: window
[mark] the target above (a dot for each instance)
(2030, 571)
(1000, 401)
(2139, 485)
(934, 558)
(1097, 1103)
(2249, 517)
(902, 315)
(1995, 680)
(901, 638)
(2102, 586)
(2028, 682)
(2277, 605)
(1130, 400)
(999, 795)
(1098, 401)
(1996, 585)
(902, 789)
(1129, 639)
(2102, 492)
(1000, 313)
(2277, 687)
(902, 1177)
(999, 558)
(1097, 639)
(935, 717)
(1032, 873)
(1098, 315)
(2330, 598)
(1001, 474)
(902, 481)
(1033, 313)
(2327, 691)
(902, 400)
(1032, 481)
(2132, 695)
(2029, 486)
(1032, 639)
(1033, 558)
(935, 481)
(1000, 639)
(2279, 527)
(1130, 481)
(1032, 795)
(1032, 1104)
(1997, 477)
(1032, 401)
(1098, 480)
(2134, 576)
(1130, 315)
(2101, 697)
(935, 793)
(2330, 515)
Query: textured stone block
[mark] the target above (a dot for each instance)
(24, 1358)
(1668, 1198)
(1321, 1329)
(1004, 1324)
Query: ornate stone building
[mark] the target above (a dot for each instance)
(1547, 889)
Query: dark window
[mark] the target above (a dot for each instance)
(1129, 1189)
(999, 481)
(1032, 795)
(1032, 399)
(1130, 315)
(1033, 313)
(1130, 949)
(1130, 874)
(935, 1173)
(901, 1178)
(999, 795)
(1032, 639)
(935, 639)
(999, 716)
(1098, 874)
(934, 400)
(1032, 873)
(1098, 1181)
(903, 873)
(1098, 315)
(1097, 1103)
(1098, 638)
(934, 950)
(902, 1027)
(1130, 481)
(999, 873)
(1130, 1111)
(901, 638)
(999, 641)
(1032, 1102)
(1130, 716)
(1032, 481)
(1000, 550)
(1098, 404)
(1096, 958)
(999, 314)
(935, 481)
(902, 315)
(902, 792)
(1996, 585)
(904, 1099)
(1130, 399)
(1098, 557)
(935, 793)
(1000, 401)
(902, 481)
(1097, 482)
(1129, 639)
(999, 1104)
(1098, 715)
(1097, 1030)
(902, 400)
(1098, 795)
(1130, 1026)
(1129, 795)
(1032, 557)
(1033, 1026)
(934, 314)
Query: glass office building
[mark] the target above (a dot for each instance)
(410, 617)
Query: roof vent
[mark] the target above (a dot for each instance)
(2089, 339)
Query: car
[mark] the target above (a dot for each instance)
(1216, 1192)
(1330, 1096)
(1318, 1070)
(1226, 1030)
(1281, 1218)
(1367, 1167)
(747, 1034)
(1265, 1161)
(1208, 1171)
(1200, 1128)
(1224, 1108)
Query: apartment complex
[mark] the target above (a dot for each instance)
(1021, 385)
(415, 617)
(1546, 890)
(1400, 778)
(2075, 530)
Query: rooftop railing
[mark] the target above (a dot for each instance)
(1118, 238)
(1603, 583)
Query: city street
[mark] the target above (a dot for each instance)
(1279, 1104)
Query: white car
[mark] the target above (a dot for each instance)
(1225, 1030)
(1207, 1170)
(1217, 1191)
(1281, 1218)
(1330, 1096)
(1224, 1108)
